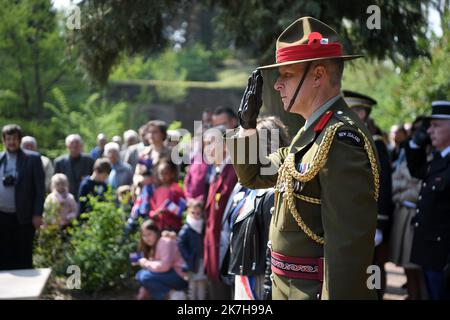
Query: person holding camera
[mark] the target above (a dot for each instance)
(431, 243)
(22, 192)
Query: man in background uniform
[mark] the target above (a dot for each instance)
(431, 244)
(362, 105)
(326, 182)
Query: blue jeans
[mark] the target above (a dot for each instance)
(160, 283)
(435, 285)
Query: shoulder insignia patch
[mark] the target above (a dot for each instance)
(350, 136)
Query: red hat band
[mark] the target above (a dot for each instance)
(317, 47)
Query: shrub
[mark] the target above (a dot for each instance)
(99, 247)
(49, 244)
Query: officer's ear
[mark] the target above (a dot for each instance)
(319, 75)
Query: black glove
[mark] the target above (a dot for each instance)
(251, 101)
(421, 137)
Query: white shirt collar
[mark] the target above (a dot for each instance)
(445, 152)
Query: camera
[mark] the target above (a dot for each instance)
(9, 180)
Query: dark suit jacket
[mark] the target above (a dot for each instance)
(431, 244)
(30, 185)
(62, 165)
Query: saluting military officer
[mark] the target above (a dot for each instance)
(431, 244)
(326, 182)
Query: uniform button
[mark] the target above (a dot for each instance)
(438, 239)
(271, 210)
(417, 210)
(420, 197)
(424, 184)
(339, 112)
(433, 188)
(416, 224)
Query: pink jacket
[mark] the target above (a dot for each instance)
(167, 255)
(194, 182)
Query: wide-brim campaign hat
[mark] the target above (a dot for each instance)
(308, 39)
(355, 99)
(440, 110)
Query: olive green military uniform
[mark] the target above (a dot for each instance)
(326, 207)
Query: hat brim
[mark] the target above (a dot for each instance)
(276, 65)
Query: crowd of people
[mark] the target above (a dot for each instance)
(220, 252)
(261, 216)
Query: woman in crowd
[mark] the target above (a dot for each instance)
(161, 263)
(155, 134)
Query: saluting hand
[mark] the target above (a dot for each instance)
(251, 101)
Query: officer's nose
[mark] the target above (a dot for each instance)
(278, 86)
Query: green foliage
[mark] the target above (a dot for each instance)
(99, 246)
(92, 116)
(108, 27)
(33, 58)
(200, 63)
(50, 246)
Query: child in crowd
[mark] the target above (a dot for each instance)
(141, 206)
(95, 185)
(190, 244)
(61, 201)
(161, 263)
(168, 203)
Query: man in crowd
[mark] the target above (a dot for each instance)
(226, 117)
(30, 143)
(74, 165)
(431, 244)
(398, 135)
(121, 173)
(22, 192)
(97, 152)
(130, 138)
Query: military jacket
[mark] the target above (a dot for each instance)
(326, 186)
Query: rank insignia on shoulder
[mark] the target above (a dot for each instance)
(350, 136)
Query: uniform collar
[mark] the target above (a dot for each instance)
(320, 111)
